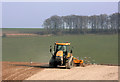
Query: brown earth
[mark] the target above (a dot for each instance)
(41, 71)
(19, 70)
(24, 34)
(90, 72)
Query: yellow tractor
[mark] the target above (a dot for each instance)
(62, 56)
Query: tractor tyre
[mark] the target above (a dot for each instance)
(70, 63)
(52, 63)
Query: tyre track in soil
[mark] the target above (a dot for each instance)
(16, 74)
(8, 69)
(9, 72)
(27, 73)
(19, 70)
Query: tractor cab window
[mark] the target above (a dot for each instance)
(62, 47)
(59, 47)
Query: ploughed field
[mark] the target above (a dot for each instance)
(102, 49)
(19, 70)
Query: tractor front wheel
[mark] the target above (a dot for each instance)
(52, 63)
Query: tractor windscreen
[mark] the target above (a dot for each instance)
(64, 48)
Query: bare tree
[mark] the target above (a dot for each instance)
(83, 24)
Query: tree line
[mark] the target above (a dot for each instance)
(75, 24)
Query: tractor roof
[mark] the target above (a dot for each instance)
(62, 43)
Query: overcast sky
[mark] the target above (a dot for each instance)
(32, 14)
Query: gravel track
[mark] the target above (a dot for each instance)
(91, 72)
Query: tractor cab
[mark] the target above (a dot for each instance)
(64, 47)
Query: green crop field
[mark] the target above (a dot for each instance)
(21, 30)
(101, 48)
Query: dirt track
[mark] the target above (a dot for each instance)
(41, 71)
(93, 72)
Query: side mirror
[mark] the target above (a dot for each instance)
(71, 51)
(50, 48)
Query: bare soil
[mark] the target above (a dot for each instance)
(19, 70)
(41, 71)
(91, 72)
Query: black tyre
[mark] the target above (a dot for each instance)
(70, 63)
(52, 63)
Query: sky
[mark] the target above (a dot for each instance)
(59, 0)
(33, 14)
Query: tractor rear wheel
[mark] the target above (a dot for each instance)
(70, 63)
